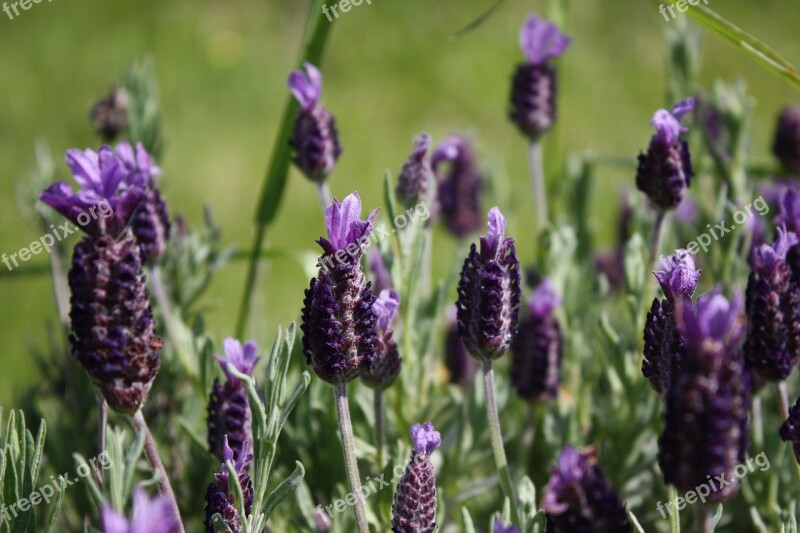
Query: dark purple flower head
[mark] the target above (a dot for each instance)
(416, 174)
(499, 527)
(219, 498)
(229, 414)
(773, 310)
(346, 230)
(578, 497)
(790, 429)
(101, 176)
(109, 115)
(786, 146)
(489, 293)
(665, 171)
(537, 348)
(149, 516)
(663, 345)
(338, 321)
(789, 216)
(113, 335)
(459, 185)
(678, 275)
(385, 366)
(707, 404)
(461, 366)
(533, 88)
(315, 139)
(414, 507)
(541, 41)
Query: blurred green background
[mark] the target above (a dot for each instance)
(391, 70)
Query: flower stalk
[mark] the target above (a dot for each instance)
(348, 446)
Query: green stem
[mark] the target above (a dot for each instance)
(497, 441)
(783, 402)
(350, 463)
(705, 523)
(324, 195)
(537, 179)
(674, 518)
(655, 244)
(151, 451)
(377, 402)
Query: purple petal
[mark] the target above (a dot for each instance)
(683, 108)
(425, 438)
(678, 275)
(85, 168)
(668, 128)
(495, 236)
(344, 225)
(385, 308)
(306, 86)
(112, 521)
(227, 453)
(544, 299)
(540, 40)
(152, 515)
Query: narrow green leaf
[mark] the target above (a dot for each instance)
(466, 518)
(37, 454)
(54, 512)
(219, 524)
(94, 490)
(284, 489)
(305, 380)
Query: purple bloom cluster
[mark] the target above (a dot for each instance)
(665, 171)
(219, 498)
(489, 293)
(228, 408)
(414, 507)
(149, 516)
(385, 366)
(315, 139)
(578, 496)
(537, 348)
(459, 186)
(790, 429)
(338, 320)
(707, 404)
(533, 89)
(415, 176)
(786, 145)
(663, 344)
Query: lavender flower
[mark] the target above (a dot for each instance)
(773, 311)
(537, 348)
(499, 527)
(488, 293)
(385, 366)
(149, 516)
(789, 216)
(229, 414)
(665, 171)
(219, 498)
(414, 507)
(707, 404)
(322, 521)
(415, 176)
(381, 278)
(340, 338)
(110, 114)
(460, 364)
(790, 429)
(533, 90)
(663, 345)
(786, 145)
(458, 189)
(315, 139)
(578, 497)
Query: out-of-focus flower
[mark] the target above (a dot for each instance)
(533, 89)
(461, 366)
(578, 497)
(665, 171)
(789, 215)
(338, 320)
(149, 516)
(385, 366)
(707, 404)
(416, 174)
(499, 527)
(228, 408)
(786, 145)
(315, 139)
(489, 293)
(110, 114)
(381, 278)
(219, 497)
(414, 507)
(458, 189)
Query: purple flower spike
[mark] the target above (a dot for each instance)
(537, 349)
(219, 498)
(229, 414)
(149, 516)
(315, 139)
(678, 275)
(459, 186)
(338, 321)
(533, 88)
(385, 366)
(772, 348)
(489, 293)
(414, 507)
(789, 216)
(346, 230)
(786, 146)
(306, 86)
(790, 429)
(665, 171)
(541, 41)
(415, 176)
(578, 497)
(708, 401)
